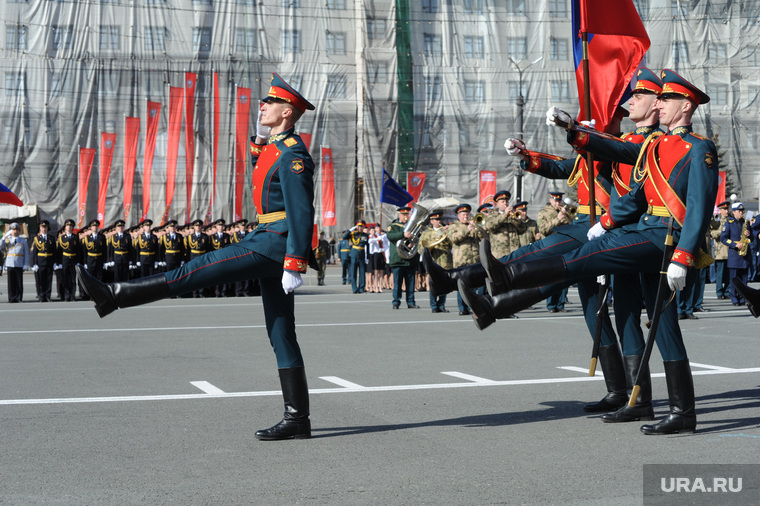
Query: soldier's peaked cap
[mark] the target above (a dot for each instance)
(281, 90)
(647, 81)
(673, 84)
(463, 207)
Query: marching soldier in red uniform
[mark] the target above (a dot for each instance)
(276, 252)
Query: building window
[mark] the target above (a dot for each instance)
(109, 38)
(62, 36)
(514, 90)
(431, 6)
(155, 39)
(473, 6)
(378, 73)
(376, 29)
(558, 8)
(680, 53)
(718, 94)
(717, 53)
(474, 91)
(336, 87)
(516, 7)
(517, 47)
(336, 43)
(432, 89)
(245, 39)
(109, 1)
(14, 84)
(15, 37)
(249, 3)
(201, 2)
(560, 91)
(473, 47)
(201, 39)
(432, 44)
(336, 4)
(559, 49)
(290, 42)
(642, 6)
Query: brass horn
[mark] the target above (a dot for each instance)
(407, 247)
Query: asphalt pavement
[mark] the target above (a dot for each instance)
(158, 404)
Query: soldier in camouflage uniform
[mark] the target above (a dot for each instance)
(465, 239)
(721, 253)
(503, 226)
(435, 238)
(531, 233)
(553, 215)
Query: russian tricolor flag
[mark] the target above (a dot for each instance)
(7, 196)
(617, 43)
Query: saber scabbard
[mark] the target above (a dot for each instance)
(604, 290)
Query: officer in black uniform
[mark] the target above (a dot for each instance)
(68, 256)
(147, 249)
(120, 252)
(172, 246)
(94, 251)
(218, 241)
(43, 258)
(197, 243)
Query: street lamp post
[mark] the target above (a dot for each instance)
(520, 106)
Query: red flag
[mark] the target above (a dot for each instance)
(487, 186)
(214, 146)
(617, 43)
(306, 138)
(414, 184)
(328, 189)
(241, 146)
(154, 114)
(315, 237)
(86, 156)
(131, 138)
(172, 146)
(721, 196)
(107, 143)
(190, 81)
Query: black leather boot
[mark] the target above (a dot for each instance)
(485, 311)
(529, 274)
(295, 423)
(614, 378)
(682, 417)
(443, 281)
(750, 296)
(108, 297)
(643, 409)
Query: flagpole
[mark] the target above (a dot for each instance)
(587, 116)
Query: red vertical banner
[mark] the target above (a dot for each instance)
(315, 237)
(172, 146)
(721, 196)
(86, 157)
(487, 185)
(214, 144)
(306, 138)
(415, 181)
(154, 114)
(131, 138)
(328, 189)
(107, 143)
(241, 146)
(190, 81)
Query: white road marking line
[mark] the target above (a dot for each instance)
(342, 382)
(469, 377)
(712, 367)
(575, 369)
(207, 387)
(390, 388)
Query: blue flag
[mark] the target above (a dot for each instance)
(393, 193)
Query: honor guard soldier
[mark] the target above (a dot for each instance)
(43, 258)
(737, 236)
(94, 250)
(465, 236)
(16, 261)
(503, 226)
(720, 252)
(277, 252)
(120, 252)
(404, 270)
(67, 250)
(146, 248)
(197, 244)
(172, 246)
(435, 239)
(359, 239)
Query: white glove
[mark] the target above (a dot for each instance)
(57, 267)
(85, 266)
(556, 116)
(291, 280)
(155, 265)
(600, 279)
(596, 231)
(514, 147)
(261, 130)
(676, 276)
(352, 228)
(35, 268)
(139, 264)
(590, 124)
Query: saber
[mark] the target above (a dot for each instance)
(662, 289)
(604, 291)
